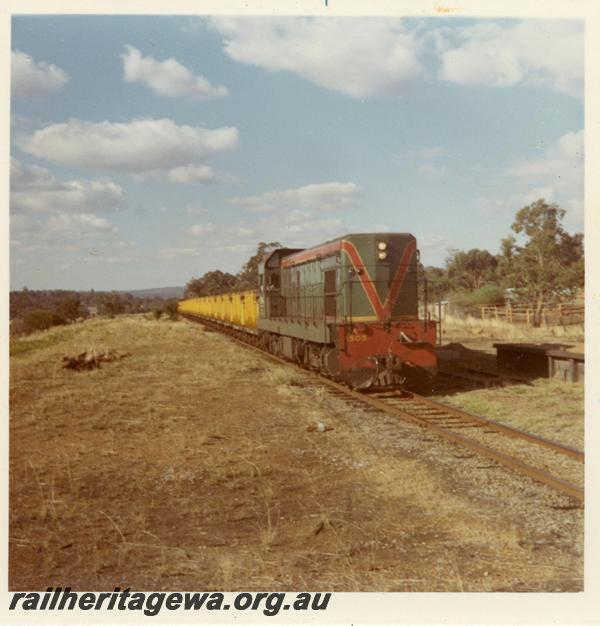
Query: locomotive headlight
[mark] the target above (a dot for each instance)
(382, 255)
(382, 245)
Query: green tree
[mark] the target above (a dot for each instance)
(437, 281)
(171, 310)
(211, 283)
(547, 264)
(486, 295)
(41, 320)
(112, 305)
(248, 276)
(470, 270)
(69, 308)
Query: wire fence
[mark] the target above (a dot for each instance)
(550, 314)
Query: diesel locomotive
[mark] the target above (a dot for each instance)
(348, 308)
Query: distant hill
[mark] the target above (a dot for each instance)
(158, 292)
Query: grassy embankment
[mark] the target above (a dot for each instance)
(189, 465)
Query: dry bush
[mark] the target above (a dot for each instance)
(279, 376)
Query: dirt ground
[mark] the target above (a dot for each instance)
(191, 464)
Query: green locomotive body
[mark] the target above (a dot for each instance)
(348, 307)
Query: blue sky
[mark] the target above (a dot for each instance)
(147, 150)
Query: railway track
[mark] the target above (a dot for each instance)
(541, 459)
(545, 461)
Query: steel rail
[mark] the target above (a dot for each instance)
(510, 431)
(503, 459)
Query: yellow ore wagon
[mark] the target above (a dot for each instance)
(236, 309)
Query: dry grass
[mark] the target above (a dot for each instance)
(455, 326)
(277, 375)
(550, 408)
(189, 465)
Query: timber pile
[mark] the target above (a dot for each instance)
(90, 359)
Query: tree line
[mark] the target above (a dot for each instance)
(32, 310)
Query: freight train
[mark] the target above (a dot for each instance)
(347, 308)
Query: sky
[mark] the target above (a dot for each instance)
(149, 150)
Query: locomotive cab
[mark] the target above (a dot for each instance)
(271, 302)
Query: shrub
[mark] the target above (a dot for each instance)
(41, 320)
(171, 310)
(488, 294)
(69, 309)
(157, 313)
(17, 327)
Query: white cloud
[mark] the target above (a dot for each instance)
(23, 226)
(167, 78)
(30, 79)
(293, 229)
(244, 232)
(323, 196)
(77, 225)
(20, 122)
(104, 259)
(560, 167)
(360, 57)
(196, 209)
(556, 175)
(191, 174)
(228, 246)
(534, 52)
(428, 169)
(59, 226)
(52, 216)
(380, 56)
(431, 166)
(106, 251)
(305, 231)
(138, 146)
(168, 254)
(202, 229)
(432, 152)
(35, 189)
(27, 177)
